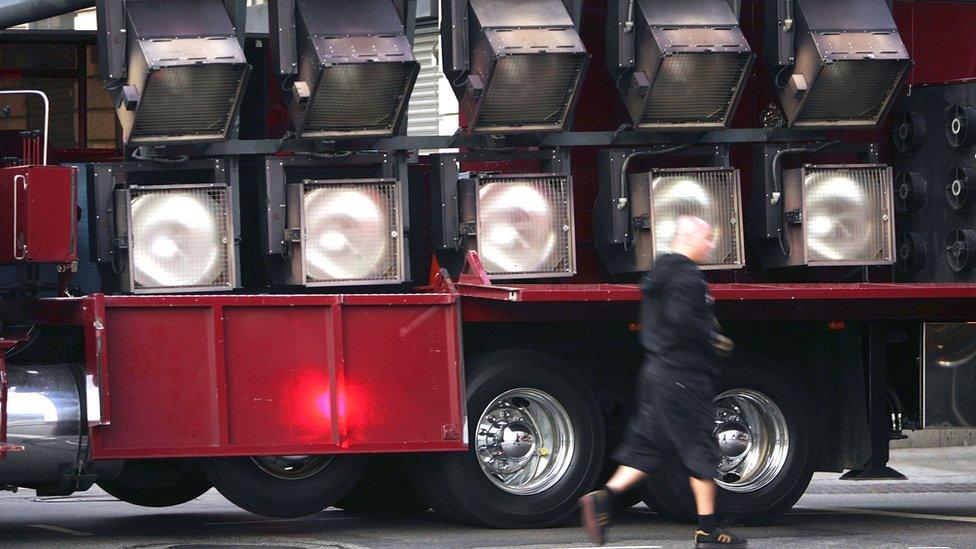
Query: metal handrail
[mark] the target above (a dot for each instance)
(47, 114)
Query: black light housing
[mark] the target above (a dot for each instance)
(166, 228)
(837, 63)
(350, 65)
(835, 215)
(635, 215)
(521, 225)
(176, 69)
(678, 65)
(517, 65)
(337, 222)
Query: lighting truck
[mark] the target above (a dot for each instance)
(241, 251)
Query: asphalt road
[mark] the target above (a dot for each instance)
(935, 508)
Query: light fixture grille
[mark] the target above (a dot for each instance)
(847, 215)
(180, 239)
(712, 195)
(352, 232)
(359, 99)
(531, 91)
(525, 226)
(695, 89)
(851, 92)
(188, 102)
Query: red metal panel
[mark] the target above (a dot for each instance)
(618, 302)
(38, 217)
(266, 375)
(280, 376)
(401, 378)
(732, 292)
(161, 379)
(940, 38)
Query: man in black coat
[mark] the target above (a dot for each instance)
(672, 424)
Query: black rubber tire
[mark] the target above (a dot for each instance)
(246, 485)
(157, 483)
(384, 488)
(669, 493)
(456, 487)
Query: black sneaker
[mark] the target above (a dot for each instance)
(595, 515)
(719, 539)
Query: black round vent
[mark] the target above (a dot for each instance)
(910, 192)
(961, 126)
(912, 252)
(960, 191)
(909, 131)
(961, 250)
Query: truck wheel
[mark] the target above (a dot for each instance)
(536, 445)
(384, 488)
(285, 486)
(157, 483)
(762, 423)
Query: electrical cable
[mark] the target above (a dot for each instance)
(623, 201)
(159, 159)
(784, 243)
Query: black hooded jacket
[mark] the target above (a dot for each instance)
(677, 323)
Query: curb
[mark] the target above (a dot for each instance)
(937, 438)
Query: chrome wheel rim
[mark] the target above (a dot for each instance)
(292, 467)
(753, 439)
(524, 441)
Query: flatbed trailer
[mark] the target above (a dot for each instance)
(259, 304)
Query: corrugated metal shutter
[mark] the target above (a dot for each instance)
(424, 114)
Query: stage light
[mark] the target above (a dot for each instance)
(350, 232)
(179, 238)
(520, 225)
(517, 65)
(678, 65)
(174, 78)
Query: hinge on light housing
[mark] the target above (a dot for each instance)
(794, 218)
(293, 235)
(475, 85)
(642, 222)
(129, 98)
(120, 242)
(468, 229)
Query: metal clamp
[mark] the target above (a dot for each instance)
(794, 217)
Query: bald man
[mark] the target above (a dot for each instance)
(672, 424)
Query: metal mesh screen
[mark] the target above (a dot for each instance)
(351, 232)
(180, 238)
(710, 195)
(846, 215)
(531, 91)
(694, 89)
(360, 98)
(851, 91)
(194, 101)
(525, 226)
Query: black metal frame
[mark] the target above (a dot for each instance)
(879, 418)
(489, 143)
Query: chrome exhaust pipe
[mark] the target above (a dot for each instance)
(44, 415)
